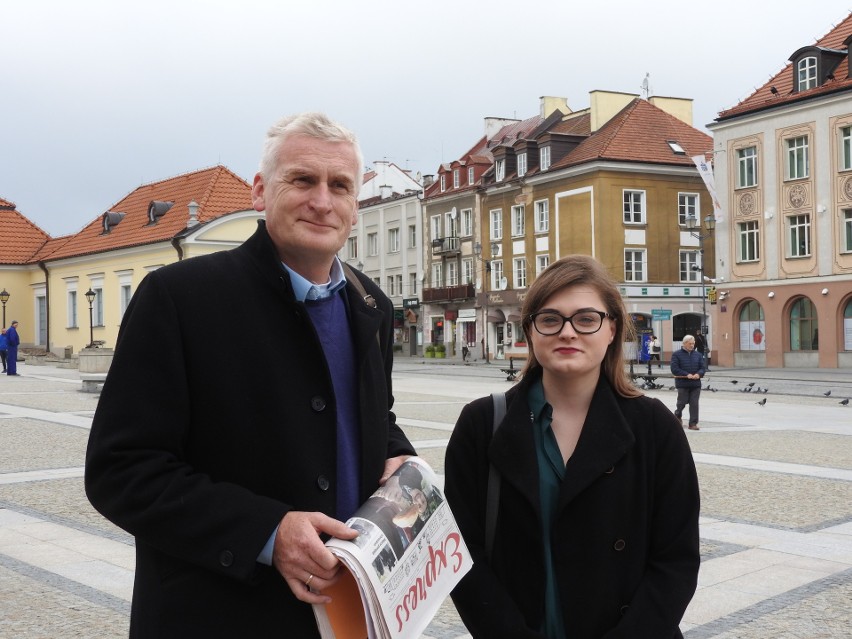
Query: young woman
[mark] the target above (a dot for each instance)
(597, 527)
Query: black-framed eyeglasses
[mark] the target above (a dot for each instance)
(583, 322)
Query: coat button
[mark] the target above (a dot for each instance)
(610, 471)
(619, 545)
(318, 403)
(624, 610)
(226, 558)
(323, 483)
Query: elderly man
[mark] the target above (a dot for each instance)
(688, 368)
(231, 480)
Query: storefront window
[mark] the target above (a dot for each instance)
(804, 326)
(752, 327)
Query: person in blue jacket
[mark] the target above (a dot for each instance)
(688, 368)
(12, 342)
(4, 348)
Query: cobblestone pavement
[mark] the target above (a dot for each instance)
(776, 487)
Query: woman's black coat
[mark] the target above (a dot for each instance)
(625, 534)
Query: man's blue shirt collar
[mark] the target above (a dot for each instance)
(304, 289)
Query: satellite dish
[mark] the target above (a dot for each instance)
(453, 213)
(503, 283)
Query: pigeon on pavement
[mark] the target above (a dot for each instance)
(762, 401)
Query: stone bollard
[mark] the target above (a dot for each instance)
(95, 360)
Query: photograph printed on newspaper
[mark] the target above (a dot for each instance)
(407, 557)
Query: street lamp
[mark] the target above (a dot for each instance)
(90, 297)
(710, 225)
(477, 251)
(4, 297)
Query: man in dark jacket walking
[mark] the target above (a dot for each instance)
(12, 343)
(688, 368)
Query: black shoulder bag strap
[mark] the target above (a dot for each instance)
(352, 278)
(493, 494)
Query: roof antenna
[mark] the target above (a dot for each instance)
(646, 85)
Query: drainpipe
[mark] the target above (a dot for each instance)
(178, 248)
(43, 267)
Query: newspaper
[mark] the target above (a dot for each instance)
(408, 556)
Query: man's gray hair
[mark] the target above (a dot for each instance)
(687, 338)
(311, 124)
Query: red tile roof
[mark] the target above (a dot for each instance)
(216, 190)
(764, 98)
(640, 133)
(20, 239)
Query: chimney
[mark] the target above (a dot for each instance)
(428, 180)
(385, 191)
(548, 104)
(193, 214)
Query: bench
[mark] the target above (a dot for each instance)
(92, 382)
(512, 372)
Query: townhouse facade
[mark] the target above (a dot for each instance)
(616, 181)
(784, 172)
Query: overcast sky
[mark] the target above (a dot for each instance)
(99, 97)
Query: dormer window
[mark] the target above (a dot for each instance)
(806, 73)
(456, 178)
(111, 219)
(157, 209)
(544, 157)
(470, 179)
(443, 183)
(522, 164)
(500, 170)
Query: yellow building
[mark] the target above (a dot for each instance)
(156, 224)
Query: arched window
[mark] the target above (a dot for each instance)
(847, 326)
(752, 327)
(804, 326)
(685, 324)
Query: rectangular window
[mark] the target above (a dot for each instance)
(846, 148)
(799, 232)
(452, 273)
(522, 164)
(749, 241)
(496, 274)
(437, 275)
(634, 265)
(470, 179)
(451, 224)
(496, 224)
(72, 309)
(634, 207)
(412, 283)
(352, 248)
(412, 236)
(372, 244)
(455, 178)
(393, 240)
(542, 216)
(797, 158)
(518, 224)
(688, 260)
(500, 170)
(544, 157)
(541, 263)
(467, 271)
(399, 284)
(520, 272)
(466, 222)
(98, 307)
(687, 204)
(747, 167)
(847, 229)
(443, 183)
(389, 288)
(437, 228)
(124, 299)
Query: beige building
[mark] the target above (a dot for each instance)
(784, 171)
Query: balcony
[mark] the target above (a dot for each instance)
(445, 246)
(448, 293)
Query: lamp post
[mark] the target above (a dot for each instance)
(90, 297)
(4, 297)
(710, 225)
(477, 251)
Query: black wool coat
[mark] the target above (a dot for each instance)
(200, 445)
(625, 534)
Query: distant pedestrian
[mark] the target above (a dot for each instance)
(655, 349)
(465, 352)
(4, 348)
(701, 347)
(12, 342)
(688, 368)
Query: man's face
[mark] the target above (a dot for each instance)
(310, 201)
(689, 345)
